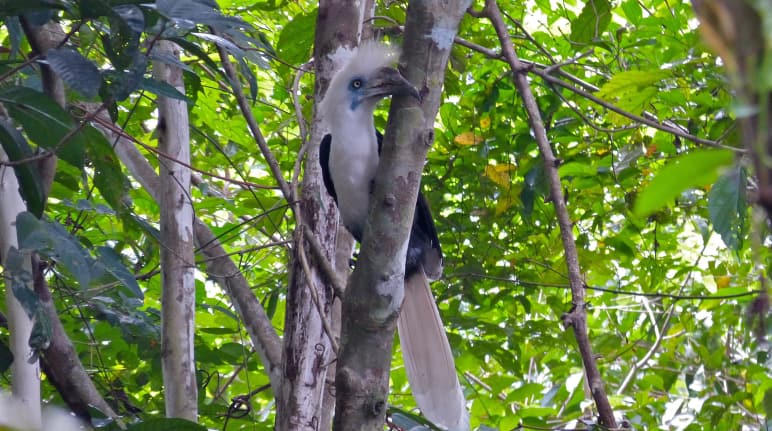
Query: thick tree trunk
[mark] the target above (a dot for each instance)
(307, 348)
(375, 292)
(736, 31)
(177, 258)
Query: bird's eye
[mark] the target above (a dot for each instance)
(357, 83)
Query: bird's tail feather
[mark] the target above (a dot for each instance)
(428, 360)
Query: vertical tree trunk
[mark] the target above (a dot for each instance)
(25, 373)
(376, 289)
(307, 348)
(177, 257)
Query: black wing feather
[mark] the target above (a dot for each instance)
(324, 160)
(423, 249)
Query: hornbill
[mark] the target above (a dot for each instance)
(349, 155)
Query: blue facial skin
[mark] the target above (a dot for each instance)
(355, 87)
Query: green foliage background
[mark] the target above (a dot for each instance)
(671, 252)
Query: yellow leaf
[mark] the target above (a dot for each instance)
(505, 202)
(485, 122)
(723, 281)
(499, 174)
(467, 139)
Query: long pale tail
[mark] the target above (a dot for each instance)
(429, 363)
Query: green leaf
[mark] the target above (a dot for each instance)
(46, 123)
(121, 44)
(161, 88)
(132, 16)
(113, 263)
(591, 22)
(52, 240)
(577, 169)
(697, 168)
(17, 267)
(728, 207)
(6, 358)
(17, 149)
(108, 176)
(629, 82)
(166, 424)
(297, 38)
(122, 83)
(78, 72)
(198, 51)
(183, 12)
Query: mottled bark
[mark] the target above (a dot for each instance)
(307, 347)
(25, 373)
(375, 292)
(178, 296)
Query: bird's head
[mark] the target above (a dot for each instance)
(366, 77)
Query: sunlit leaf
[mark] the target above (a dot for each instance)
(591, 22)
(500, 174)
(468, 138)
(698, 168)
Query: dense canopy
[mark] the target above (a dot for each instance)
(657, 180)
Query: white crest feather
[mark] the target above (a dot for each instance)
(368, 57)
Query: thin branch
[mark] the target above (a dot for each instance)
(246, 112)
(603, 289)
(113, 128)
(315, 296)
(546, 73)
(577, 318)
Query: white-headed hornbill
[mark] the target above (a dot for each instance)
(349, 156)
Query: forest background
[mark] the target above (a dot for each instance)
(657, 151)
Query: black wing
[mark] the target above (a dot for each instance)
(423, 249)
(324, 160)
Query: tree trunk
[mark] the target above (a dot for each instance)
(376, 289)
(25, 369)
(307, 348)
(177, 257)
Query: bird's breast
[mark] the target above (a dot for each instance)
(352, 174)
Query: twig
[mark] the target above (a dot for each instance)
(246, 112)
(105, 124)
(314, 295)
(545, 72)
(604, 289)
(577, 318)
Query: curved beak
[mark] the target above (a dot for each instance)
(387, 81)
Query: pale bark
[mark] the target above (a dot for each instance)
(307, 347)
(178, 300)
(25, 372)
(374, 294)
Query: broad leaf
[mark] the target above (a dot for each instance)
(728, 207)
(76, 71)
(46, 123)
(296, 38)
(698, 168)
(17, 149)
(591, 22)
